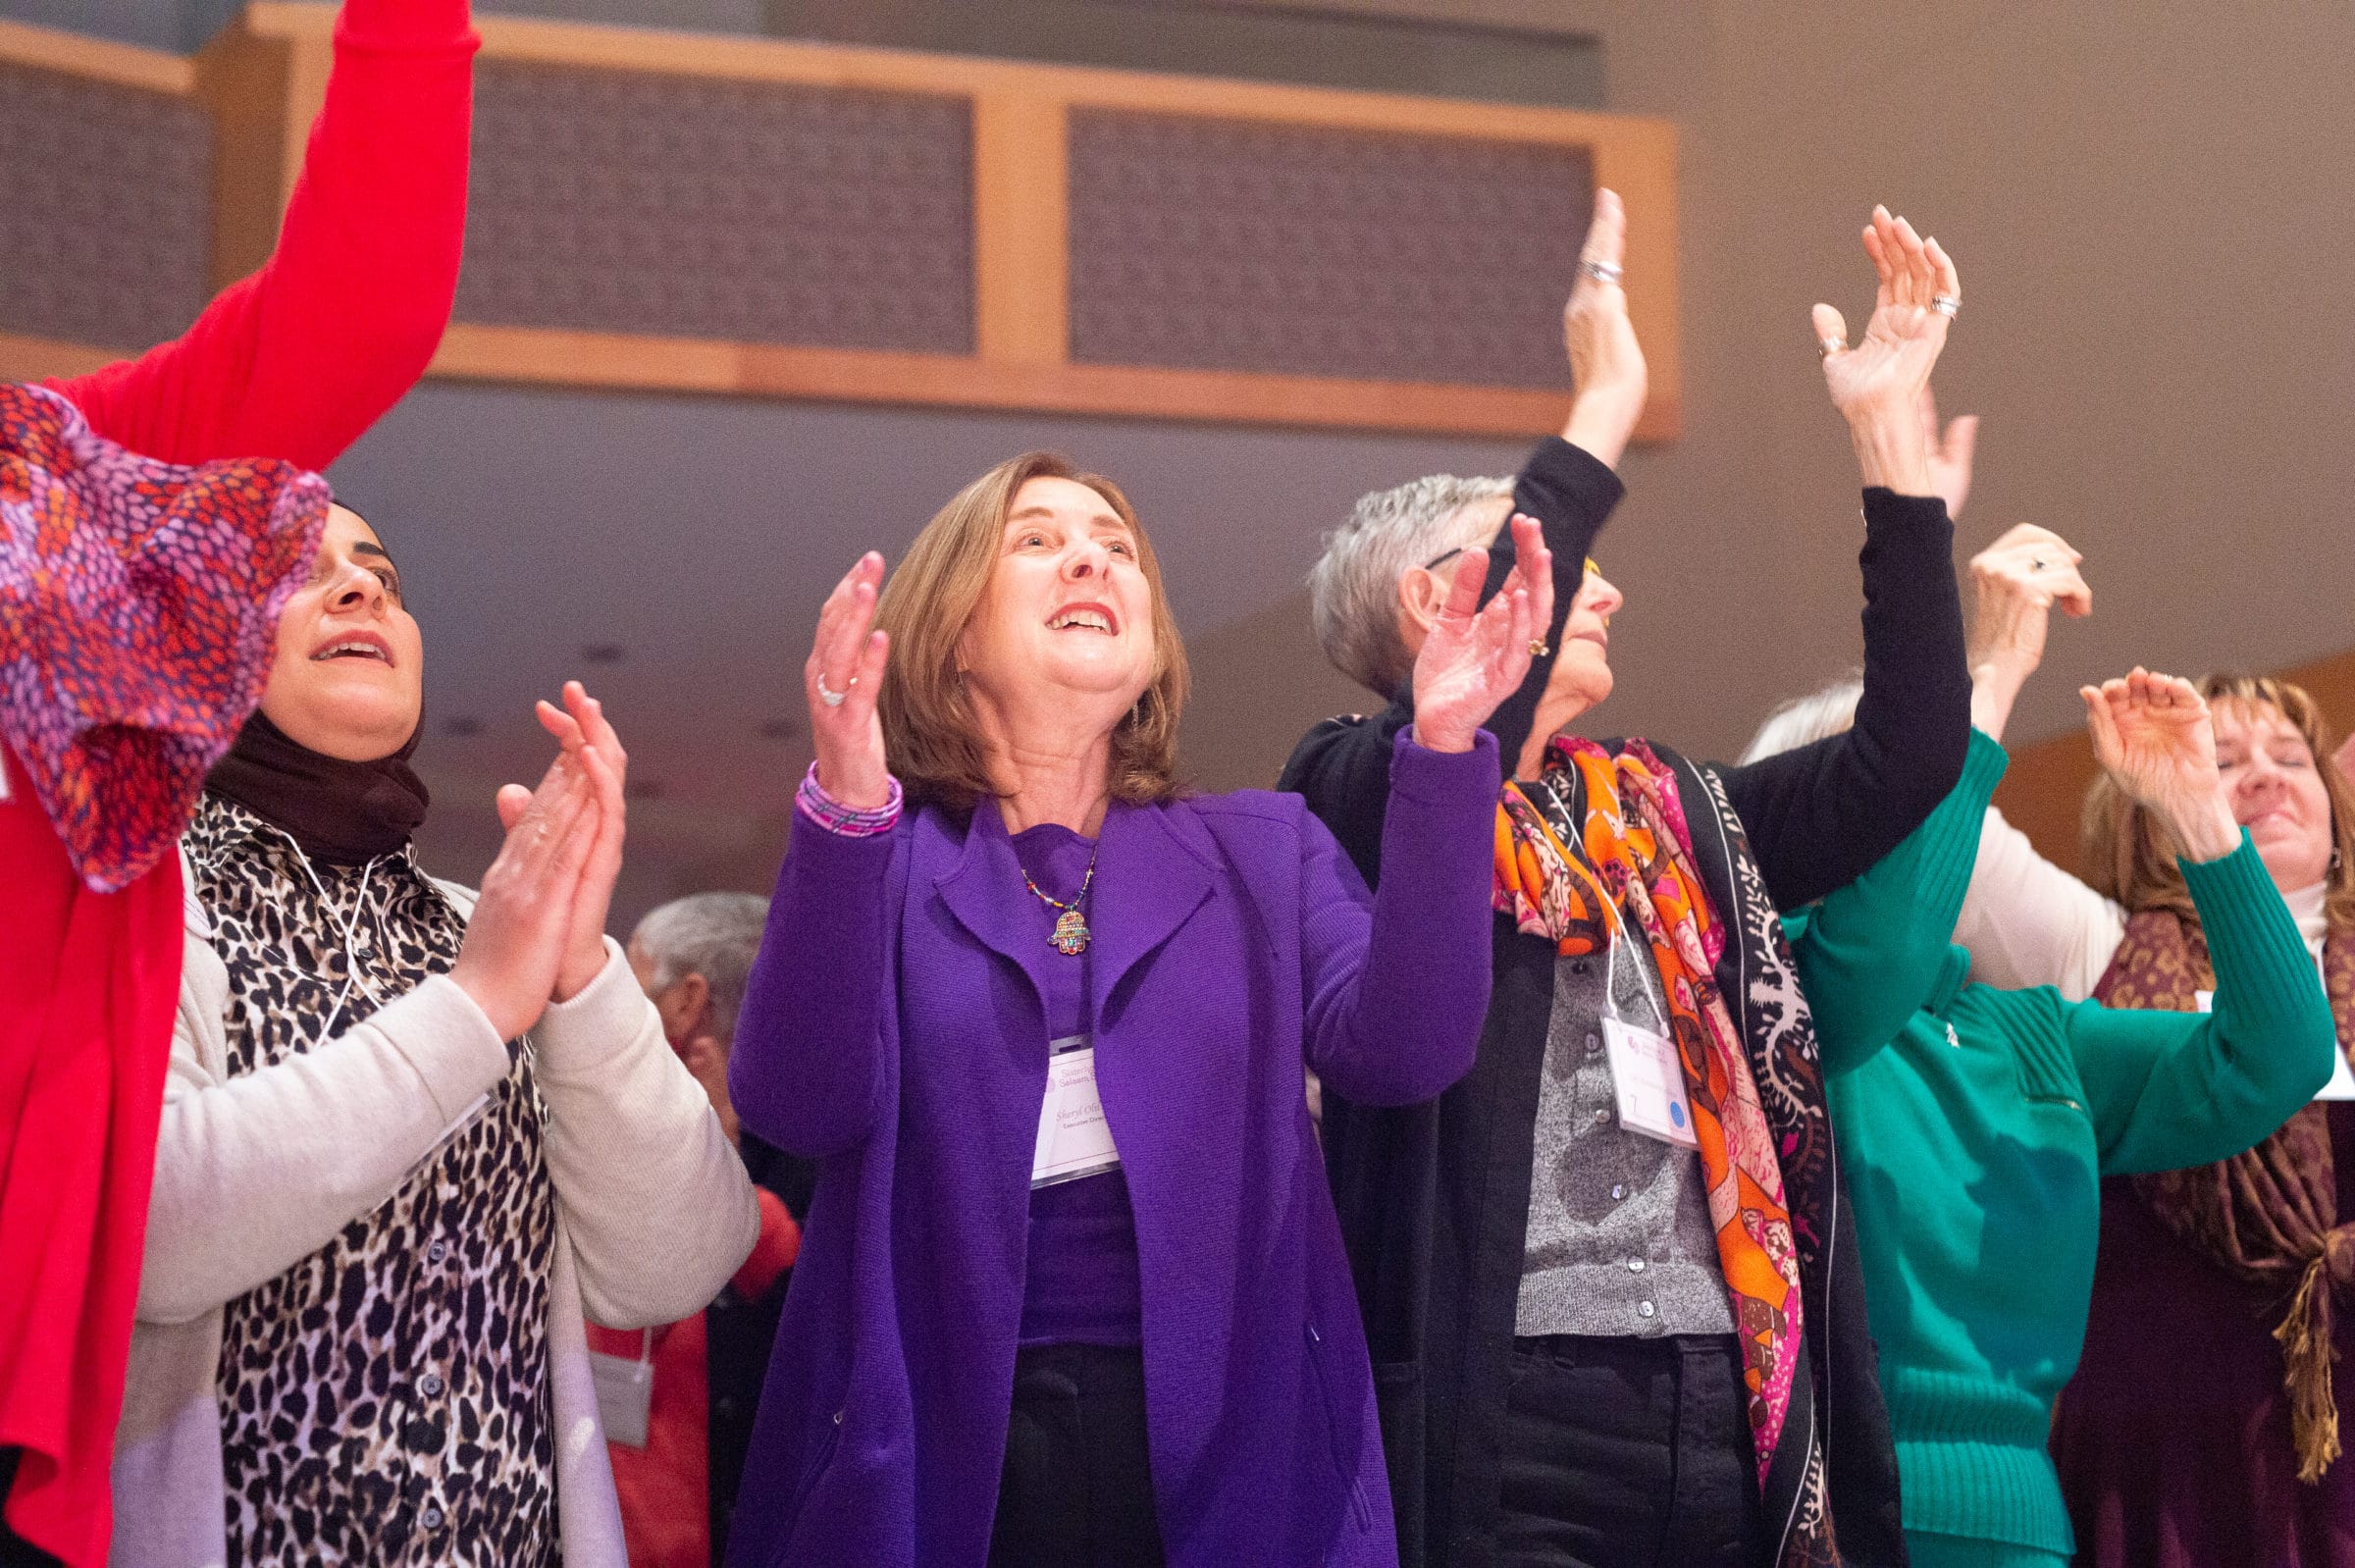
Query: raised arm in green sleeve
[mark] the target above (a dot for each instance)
(1870, 954)
(2171, 1089)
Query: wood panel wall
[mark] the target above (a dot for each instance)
(264, 79)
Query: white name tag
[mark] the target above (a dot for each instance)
(1650, 1083)
(625, 1395)
(1073, 1138)
(2342, 1077)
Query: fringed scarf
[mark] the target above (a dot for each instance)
(1630, 862)
(2268, 1216)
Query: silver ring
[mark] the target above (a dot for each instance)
(1831, 346)
(1946, 305)
(830, 697)
(1602, 272)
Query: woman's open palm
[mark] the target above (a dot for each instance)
(1475, 658)
(2154, 735)
(842, 675)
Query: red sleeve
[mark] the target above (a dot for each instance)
(779, 1244)
(297, 360)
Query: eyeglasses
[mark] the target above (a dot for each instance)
(1432, 564)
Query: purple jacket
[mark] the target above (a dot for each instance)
(893, 1030)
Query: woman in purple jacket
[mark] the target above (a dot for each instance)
(1072, 1289)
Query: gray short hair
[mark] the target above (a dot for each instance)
(1353, 588)
(1805, 720)
(711, 934)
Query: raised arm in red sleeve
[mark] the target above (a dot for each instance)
(297, 360)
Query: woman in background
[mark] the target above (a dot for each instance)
(2202, 1428)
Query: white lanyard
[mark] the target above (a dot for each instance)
(1647, 1076)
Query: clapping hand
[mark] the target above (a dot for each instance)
(580, 727)
(1606, 363)
(1474, 658)
(2154, 736)
(516, 941)
(842, 675)
(1878, 383)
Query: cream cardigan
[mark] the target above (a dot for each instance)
(255, 1173)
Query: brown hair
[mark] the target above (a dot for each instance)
(2131, 858)
(930, 735)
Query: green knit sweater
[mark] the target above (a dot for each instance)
(1976, 1124)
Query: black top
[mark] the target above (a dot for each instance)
(1433, 1199)
(1818, 816)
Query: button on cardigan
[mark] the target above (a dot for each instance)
(893, 1030)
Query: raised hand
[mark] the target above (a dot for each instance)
(517, 940)
(2154, 736)
(1606, 363)
(1952, 451)
(2016, 582)
(1877, 385)
(844, 673)
(581, 724)
(1474, 658)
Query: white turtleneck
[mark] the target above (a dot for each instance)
(2027, 922)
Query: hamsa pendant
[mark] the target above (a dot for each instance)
(1071, 933)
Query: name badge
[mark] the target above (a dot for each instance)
(1650, 1083)
(625, 1395)
(1073, 1138)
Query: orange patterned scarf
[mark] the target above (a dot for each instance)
(1630, 862)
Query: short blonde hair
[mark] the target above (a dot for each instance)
(2131, 858)
(931, 738)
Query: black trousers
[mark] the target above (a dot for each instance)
(14, 1551)
(1629, 1453)
(1078, 1489)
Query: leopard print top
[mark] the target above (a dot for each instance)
(386, 1400)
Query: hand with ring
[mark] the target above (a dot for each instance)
(842, 675)
(1473, 657)
(2015, 583)
(1606, 363)
(1878, 385)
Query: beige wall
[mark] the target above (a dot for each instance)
(2151, 207)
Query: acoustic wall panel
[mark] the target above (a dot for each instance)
(671, 205)
(1229, 244)
(105, 209)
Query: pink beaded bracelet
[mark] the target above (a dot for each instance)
(850, 822)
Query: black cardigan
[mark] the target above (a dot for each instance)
(1433, 1199)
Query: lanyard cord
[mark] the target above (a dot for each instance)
(1616, 923)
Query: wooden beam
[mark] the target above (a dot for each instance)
(242, 78)
(539, 356)
(1021, 250)
(25, 358)
(95, 58)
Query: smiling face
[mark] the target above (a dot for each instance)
(347, 679)
(2276, 790)
(1066, 609)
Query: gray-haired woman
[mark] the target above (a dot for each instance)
(1601, 1335)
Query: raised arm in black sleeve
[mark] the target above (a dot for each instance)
(1342, 767)
(1571, 496)
(1818, 816)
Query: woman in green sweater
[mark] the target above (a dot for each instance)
(1976, 1123)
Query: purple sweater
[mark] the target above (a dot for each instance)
(893, 1032)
